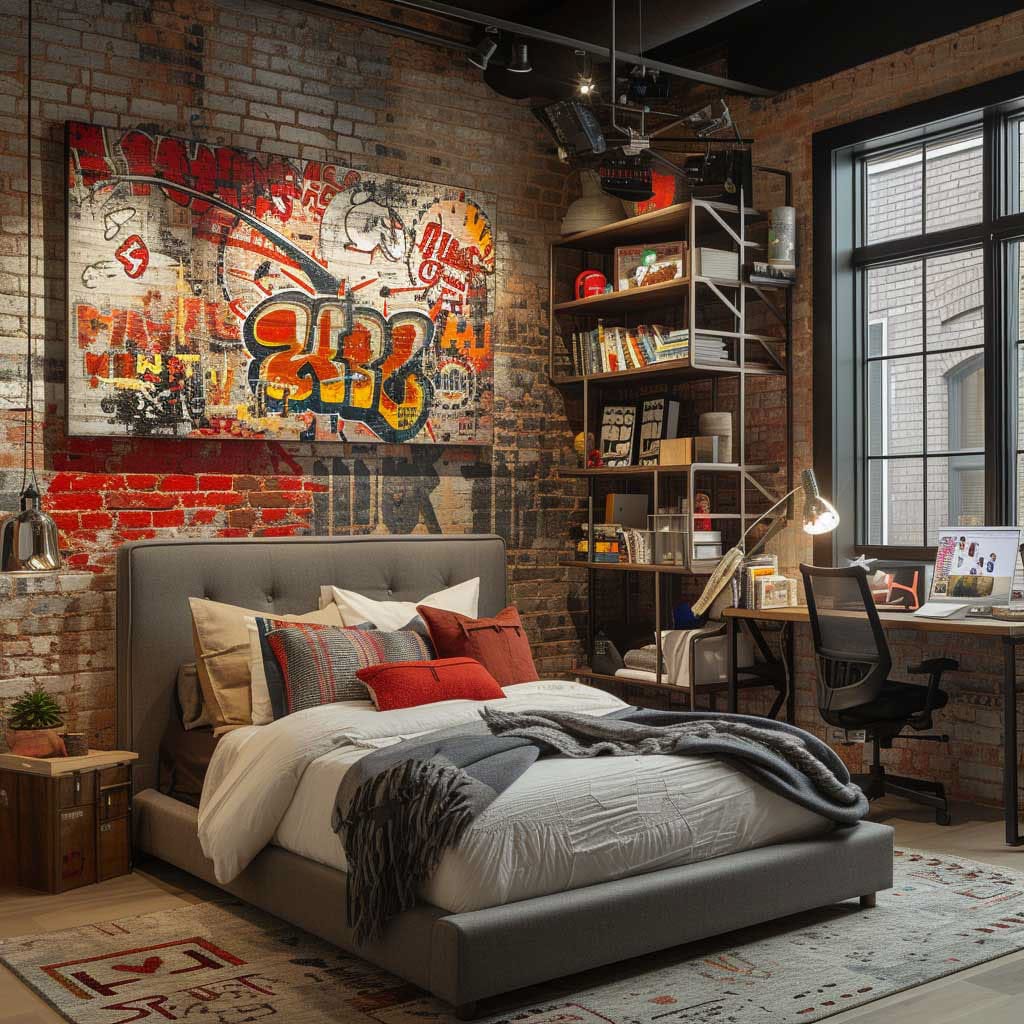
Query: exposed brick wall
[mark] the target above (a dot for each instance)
(783, 127)
(315, 86)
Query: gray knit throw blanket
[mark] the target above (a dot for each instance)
(400, 808)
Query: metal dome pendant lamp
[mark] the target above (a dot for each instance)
(28, 539)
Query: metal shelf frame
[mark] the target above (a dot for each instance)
(695, 293)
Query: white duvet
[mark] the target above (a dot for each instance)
(562, 825)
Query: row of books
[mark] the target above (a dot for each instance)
(610, 349)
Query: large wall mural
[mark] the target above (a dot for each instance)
(214, 292)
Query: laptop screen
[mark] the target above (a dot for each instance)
(975, 564)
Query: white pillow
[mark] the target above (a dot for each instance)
(359, 610)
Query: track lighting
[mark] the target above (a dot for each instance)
(520, 62)
(481, 54)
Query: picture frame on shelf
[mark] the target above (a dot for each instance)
(659, 420)
(639, 266)
(619, 435)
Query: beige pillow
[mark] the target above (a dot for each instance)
(222, 657)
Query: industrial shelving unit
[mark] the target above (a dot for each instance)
(689, 302)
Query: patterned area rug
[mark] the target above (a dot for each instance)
(225, 963)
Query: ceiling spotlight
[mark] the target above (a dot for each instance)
(520, 62)
(584, 75)
(481, 54)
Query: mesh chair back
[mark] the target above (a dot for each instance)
(851, 652)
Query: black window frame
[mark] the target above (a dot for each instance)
(838, 216)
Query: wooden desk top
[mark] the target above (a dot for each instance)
(892, 620)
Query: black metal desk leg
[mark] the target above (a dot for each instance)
(790, 673)
(1010, 802)
(731, 632)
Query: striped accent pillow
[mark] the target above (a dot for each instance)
(319, 663)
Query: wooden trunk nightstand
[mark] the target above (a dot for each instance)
(65, 822)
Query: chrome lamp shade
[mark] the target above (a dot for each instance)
(819, 516)
(28, 541)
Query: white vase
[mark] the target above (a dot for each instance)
(593, 209)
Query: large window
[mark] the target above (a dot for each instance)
(918, 300)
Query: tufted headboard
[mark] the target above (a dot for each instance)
(284, 575)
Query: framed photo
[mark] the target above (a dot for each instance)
(775, 591)
(639, 266)
(618, 435)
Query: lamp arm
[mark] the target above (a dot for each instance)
(764, 515)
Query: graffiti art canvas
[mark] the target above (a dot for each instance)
(214, 292)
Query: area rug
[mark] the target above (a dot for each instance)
(226, 963)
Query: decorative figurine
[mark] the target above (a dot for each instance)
(701, 509)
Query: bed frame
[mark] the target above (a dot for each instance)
(460, 958)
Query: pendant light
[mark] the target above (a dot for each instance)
(28, 539)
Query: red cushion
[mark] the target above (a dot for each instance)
(499, 643)
(407, 684)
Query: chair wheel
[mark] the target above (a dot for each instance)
(943, 818)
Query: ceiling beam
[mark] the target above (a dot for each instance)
(461, 14)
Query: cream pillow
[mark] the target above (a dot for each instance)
(222, 657)
(364, 612)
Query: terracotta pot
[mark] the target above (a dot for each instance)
(35, 743)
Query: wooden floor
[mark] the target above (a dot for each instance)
(991, 993)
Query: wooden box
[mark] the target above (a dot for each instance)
(675, 451)
(63, 830)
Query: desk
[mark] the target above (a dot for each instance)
(1009, 634)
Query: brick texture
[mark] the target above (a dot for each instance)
(299, 83)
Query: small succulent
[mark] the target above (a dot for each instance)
(34, 709)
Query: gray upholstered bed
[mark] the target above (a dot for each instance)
(462, 957)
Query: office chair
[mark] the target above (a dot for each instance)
(854, 689)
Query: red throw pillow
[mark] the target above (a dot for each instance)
(499, 643)
(407, 684)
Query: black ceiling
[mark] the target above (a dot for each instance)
(773, 43)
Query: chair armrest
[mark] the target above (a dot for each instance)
(934, 666)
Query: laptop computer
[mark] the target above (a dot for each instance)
(974, 570)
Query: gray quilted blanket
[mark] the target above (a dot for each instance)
(400, 808)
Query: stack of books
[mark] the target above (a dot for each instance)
(720, 263)
(607, 349)
(711, 349)
(766, 273)
(606, 543)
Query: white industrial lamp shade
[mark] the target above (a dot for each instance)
(819, 515)
(593, 209)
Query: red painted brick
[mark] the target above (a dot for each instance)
(134, 518)
(65, 500)
(141, 499)
(178, 482)
(97, 520)
(214, 483)
(212, 499)
(140, 481)
(175, 517)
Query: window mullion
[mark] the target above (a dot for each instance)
(999, 458)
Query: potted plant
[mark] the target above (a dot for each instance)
(32, 723)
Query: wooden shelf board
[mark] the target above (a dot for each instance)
(621, 302)
(642, 567)
(669, 224)
(673, 368)
(700, 467)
